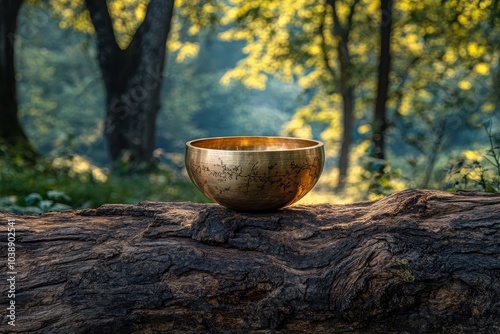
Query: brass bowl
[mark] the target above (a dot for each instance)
(254, 173)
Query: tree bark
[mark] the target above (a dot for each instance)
(347, 93)
(11, 132)
(342, 32)
(133, 78)
(384, 68)
(414, 262)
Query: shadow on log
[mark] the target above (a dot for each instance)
(414, 262)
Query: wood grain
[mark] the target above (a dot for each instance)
(414, 262)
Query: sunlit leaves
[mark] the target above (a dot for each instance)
(127, 16)
(445, 55)
(464, 85)
(184, 49)
(191, 19)
(282, 39)
(443, 59)
(482, 68)
(72, 14)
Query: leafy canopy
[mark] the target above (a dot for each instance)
(445, 54)
(127, 15)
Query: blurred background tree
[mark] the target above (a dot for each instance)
(395, 89)
(12, 136)
(131, 54)
(133, 77)
(427, 101)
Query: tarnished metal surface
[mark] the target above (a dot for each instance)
(254, 173)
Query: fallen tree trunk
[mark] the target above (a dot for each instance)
(414, 262)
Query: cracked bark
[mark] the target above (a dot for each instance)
(414, 262)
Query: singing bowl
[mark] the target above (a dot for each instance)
(254, 173)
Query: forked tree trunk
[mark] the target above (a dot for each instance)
(133, 78)
(11, 133)
(413, 262)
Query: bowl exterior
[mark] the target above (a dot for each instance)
(255, 180)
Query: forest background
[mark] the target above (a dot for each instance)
(404, 94)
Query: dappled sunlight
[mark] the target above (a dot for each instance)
(250, 67)
(126, 17)
(356, 189)
(472, 155)
(79, 166)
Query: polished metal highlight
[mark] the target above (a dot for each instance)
(254, 173)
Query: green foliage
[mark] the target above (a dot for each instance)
(61, 96)
(35, 203)
(64, 183)
(379, 176)
(62, 106)
(469, 173)
(466, 175)
(443, 82)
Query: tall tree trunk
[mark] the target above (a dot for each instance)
(11, 132)
(342, 31)
(384, 67)
(133, 79)
(347, 92)
(496, 83)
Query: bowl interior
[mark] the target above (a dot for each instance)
(254, 143)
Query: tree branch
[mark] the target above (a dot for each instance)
(350, 18)
(157, 11)
(151, 37)
(339, 29)
(326, 60)
(337, 25)
(107, 47)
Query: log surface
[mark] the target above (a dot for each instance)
(417, 261)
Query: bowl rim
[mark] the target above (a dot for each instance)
(314, 144)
